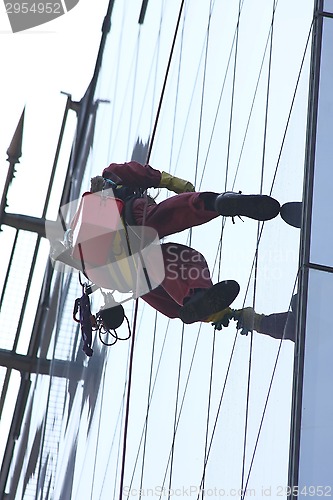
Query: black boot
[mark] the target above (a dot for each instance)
(291, 213)
(254, 206)
(209, 301)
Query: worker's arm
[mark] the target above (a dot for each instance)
(133, 174)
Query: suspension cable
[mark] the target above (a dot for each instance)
(149, 403)
(165, 81)
(130, 370)
(232, 352)
(259, 225)
(148, 406)
(129, 384)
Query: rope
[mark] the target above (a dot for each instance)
(195, 182)
(203, 93)
(232, 94)
(133, 91)
(292, 105)
(176, 419)
(232, 352)
(119, 418)
(165, 82)
(218, 108)
(130, 370)
(156, 67)
(177, 91)
(154, 58)
(155, 127)
(257, 252)
(267, 397)
(149, 403)
(280, 344)
(99, 434)
(181, 405)
(176, 409)
(148, 406)
(252, 104)
(117, 73)
(217, 416)
(208, 409)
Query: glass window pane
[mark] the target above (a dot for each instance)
(328, 5)
(316, 459)
(322, 221)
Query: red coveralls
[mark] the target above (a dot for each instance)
(185, 268)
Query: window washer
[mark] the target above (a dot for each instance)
(187, 291)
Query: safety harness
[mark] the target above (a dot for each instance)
(110, 317)
(103, 240)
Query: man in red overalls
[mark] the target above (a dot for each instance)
(187, 291)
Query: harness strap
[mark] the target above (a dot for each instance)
(129, 220)
(128, 216)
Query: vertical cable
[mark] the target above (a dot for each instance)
(117, 73)
(203, 93)
(133, 92)
(165, 81)
(156, 67)
(208, 411)
(129, 386)
(257, 252)
(181, 406)
(148, 406)
(232, 95)
(177, 91)
(137, 301)
(149, 403)
(280, 344)
(176, 410)
(99, 433)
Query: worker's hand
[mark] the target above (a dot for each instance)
(96, 184)
(175, 184)
(100, 183)
(247, 320)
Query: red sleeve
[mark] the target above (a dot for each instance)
(133, 174)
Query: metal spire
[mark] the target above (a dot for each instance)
(14, 153)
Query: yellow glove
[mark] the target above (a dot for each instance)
(175, 184)
(220, 319)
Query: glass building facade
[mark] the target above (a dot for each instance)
(312, 464)
(218, 95)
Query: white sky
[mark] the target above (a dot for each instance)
(36, 65)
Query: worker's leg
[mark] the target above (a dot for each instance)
(176, 213)
(186, 272)
(187, 290)
(187, 210)
(160, 300)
